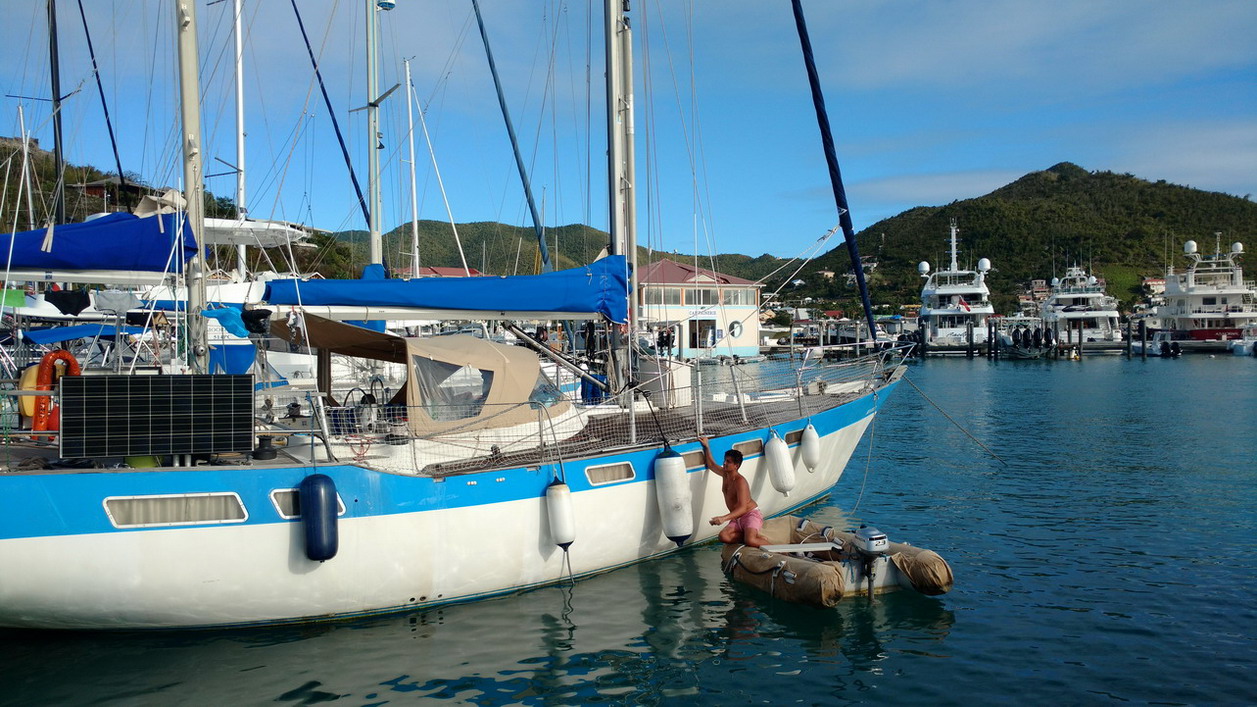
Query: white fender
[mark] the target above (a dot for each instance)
(559, 511)
(780, 467)
(811, 447)
(672, 491)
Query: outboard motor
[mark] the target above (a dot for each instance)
(1165, 349)
(1016, 337)
(1038, 337)
(1175, 350)
(871, 544)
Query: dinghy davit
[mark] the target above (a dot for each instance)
(811, 564)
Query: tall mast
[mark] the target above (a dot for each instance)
(242, 209)
(193, 188)
(414, 195)
(615, 137)
(620, 166)
(628, 180)
(373, 136)
(54, 62)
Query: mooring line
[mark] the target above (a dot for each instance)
(949, 419)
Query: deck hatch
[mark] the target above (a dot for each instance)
(175, 509)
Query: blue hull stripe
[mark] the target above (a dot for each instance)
(72, 502)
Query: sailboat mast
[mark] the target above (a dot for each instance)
(241, 209)
(193, 187)
(54, 63)
(373, 135)
(619, 167)
(414, 190)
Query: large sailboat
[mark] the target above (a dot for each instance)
(476, 477)
(955, 302)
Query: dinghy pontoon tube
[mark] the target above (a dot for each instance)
(811, 564)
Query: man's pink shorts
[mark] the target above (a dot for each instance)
(754, 519)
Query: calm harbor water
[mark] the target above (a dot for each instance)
(1111, 559)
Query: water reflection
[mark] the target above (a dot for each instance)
(637, 634)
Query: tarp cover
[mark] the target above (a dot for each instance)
(78, 331)
(600, 287)
(114, 242)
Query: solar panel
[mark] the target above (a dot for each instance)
(113, 416)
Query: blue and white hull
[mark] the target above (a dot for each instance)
(404, 540)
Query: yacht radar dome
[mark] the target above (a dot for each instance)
(1189, 247)
(923, 267)
(1056, 282)
(1237, 247)
(984, 265)
(1092, 280)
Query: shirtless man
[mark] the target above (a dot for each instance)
(744, 519)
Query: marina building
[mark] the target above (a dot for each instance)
(707, 313)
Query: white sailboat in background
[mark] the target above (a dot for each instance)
(475, 479)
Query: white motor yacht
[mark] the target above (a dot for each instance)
(953, 299)
(1210, 300)
(1079, 300)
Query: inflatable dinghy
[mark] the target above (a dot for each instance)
(811, 564)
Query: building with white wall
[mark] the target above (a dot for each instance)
(709, 313)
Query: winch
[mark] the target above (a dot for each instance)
(870, 541)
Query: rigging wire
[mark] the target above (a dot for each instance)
(953, 421)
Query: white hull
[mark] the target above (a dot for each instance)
(245, 574)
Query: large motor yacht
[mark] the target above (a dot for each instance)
(1210, 300)
(953, 299)
(1078, 300)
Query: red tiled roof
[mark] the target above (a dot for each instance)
(670, 272)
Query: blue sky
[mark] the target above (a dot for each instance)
(930, 102)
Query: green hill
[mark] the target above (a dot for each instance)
(1123, 226)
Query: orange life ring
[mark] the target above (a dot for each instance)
(43, 403)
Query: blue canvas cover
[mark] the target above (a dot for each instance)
(57, 335)
(600, 287)
(114, 242)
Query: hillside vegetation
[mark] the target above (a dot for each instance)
(1123, 227)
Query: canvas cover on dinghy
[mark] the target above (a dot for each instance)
(453, 383)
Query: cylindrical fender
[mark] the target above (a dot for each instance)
(672, 491)
(559, 511)
(319, 509)
(780, 467)
(811, 448)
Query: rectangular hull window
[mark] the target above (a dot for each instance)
(609, 473)
(178, 509)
